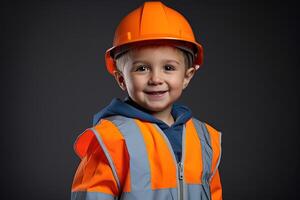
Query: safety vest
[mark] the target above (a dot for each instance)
(129, 159)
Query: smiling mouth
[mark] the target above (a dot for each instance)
(155, 92)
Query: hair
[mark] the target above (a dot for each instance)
(124, 57)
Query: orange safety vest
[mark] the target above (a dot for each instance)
(129, 159)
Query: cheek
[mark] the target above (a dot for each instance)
(135, 84)
(177, 83)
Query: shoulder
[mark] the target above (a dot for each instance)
(105, 134)
(207, 124)
(215, 133)
(85, 143)
(116, 120)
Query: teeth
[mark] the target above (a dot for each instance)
(156, 92)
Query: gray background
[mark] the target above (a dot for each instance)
(53, 80)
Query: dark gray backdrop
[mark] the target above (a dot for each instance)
(53, 79)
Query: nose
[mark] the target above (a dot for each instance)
(155, 78)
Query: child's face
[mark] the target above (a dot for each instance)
(154, 77)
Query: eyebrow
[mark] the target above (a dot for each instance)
(138, 61)
(167, 61)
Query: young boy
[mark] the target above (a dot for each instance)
(147, 147)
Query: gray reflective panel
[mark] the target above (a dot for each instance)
(83, 195)
(206, 149)
(198, 192)
(162, 194)
(139, 163)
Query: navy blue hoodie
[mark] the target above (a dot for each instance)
(129, 108)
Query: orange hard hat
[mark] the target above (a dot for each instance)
(151, 23)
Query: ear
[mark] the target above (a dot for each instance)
(120, 79)
(188, 76)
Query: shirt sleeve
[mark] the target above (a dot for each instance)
(94, 178)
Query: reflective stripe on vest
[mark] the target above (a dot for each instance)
(139, 164)
(153, 172)
(206, 147)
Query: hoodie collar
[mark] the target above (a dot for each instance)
(129, 108)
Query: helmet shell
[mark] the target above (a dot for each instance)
(153, 22)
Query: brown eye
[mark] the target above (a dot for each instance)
(142, 68)
(169, 67)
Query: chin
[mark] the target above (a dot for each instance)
(157, 108)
